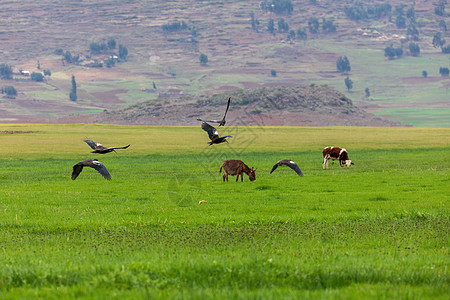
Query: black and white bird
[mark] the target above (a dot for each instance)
(213, 134)
(221, 122)
(100, 149)
(93, 164)
(290, 164)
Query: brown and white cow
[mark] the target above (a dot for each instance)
(336, 153)
(237, 167)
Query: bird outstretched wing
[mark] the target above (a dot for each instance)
(124, 147)
(212, 132)
(92, 144)
(291, 164)
(100, 168)
(221, 122)
(93, 164)
(76, 170)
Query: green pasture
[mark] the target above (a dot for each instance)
(377, 230)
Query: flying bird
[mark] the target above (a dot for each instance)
(221, 122)
(100, 149)
(93, 164)
(213, 134)
(288, 163)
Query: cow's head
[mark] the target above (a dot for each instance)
(252, 175)
(348, 162)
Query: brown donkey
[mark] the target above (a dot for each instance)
(237, 167)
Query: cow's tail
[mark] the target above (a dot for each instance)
(220, 171)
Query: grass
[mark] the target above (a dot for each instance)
(376, 230)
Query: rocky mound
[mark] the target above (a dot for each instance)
(310, 105)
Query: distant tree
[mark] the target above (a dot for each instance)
(440, 8)
(328, 26)
(398, 10)
(254, 21)
(97, 48)
(10, 92)
(277, 6)
(356, 12)
(203, 59)
(392, 52)
(444, 71)
(367, 91)
(273, 73)
(414, 49)
(123, 52)
(154, 85)
(343, 64)
(37, 77)
(291, 35)
(110, 62)
(379, 10)
(446, 49)
(6, 71)
(411, 15)
(400, 22)
(271, 26)
(413, 32)
(194, 31)
(438, 41)
(348, 83)
(47, 72)
(443, 25)
(68, 56)
(175, 26)
(73, 92)
(38, 65)
(313, 25)
(59, 52)
(282, 25)
(301, 34)
(424, 74)
(111, 44)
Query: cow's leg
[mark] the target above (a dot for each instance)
(325, 162)
(242, 176)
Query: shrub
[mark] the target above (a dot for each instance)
(37, 77)
(444, 71)
(6, 71)
(10, 92)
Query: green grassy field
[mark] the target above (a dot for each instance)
(379, 229)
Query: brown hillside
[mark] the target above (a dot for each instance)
(36, 35)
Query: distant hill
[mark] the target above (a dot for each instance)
(309, 105)
(126, 52)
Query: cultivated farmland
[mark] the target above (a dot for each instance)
(379, 229)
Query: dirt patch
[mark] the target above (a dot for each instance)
(15, 132)
(110, 96)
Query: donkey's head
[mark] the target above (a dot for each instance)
(252, 175)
